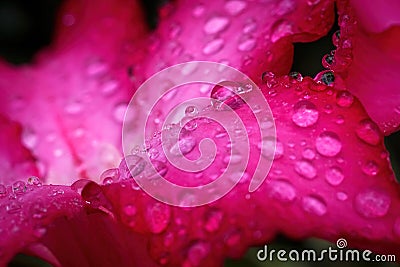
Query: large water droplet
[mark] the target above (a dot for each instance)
(226, 92)
(216, 24)
(334, 176)
(305, 114)
(213, 47)
(281, 190)
(344, 99)
(158, 217)
(212, 220)
(328, 144)
(314, 205)
(305, 169)
(3, 190)
(132, 165)
(372, 203)
(184, 146)
(368, 132)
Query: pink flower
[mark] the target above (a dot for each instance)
(61, 120)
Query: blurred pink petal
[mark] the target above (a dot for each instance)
(368, 58)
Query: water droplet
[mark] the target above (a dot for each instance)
(13, 207)
(305, 169)
(73, 108)
(305, 114)
(326, 77)
(224, 93)
(119, 112)
(336, 38)
(370, 168)
(188, 123)
(110, 176)
(198, 10)
(234, 7)
(234, 238)
(96, 68)
(372, 203)
(269, 79)
(250, 26)
(341, 196)
(308, 153)
(328, 144)
(328, 60)
(196, 253)
(344, 99)
(295, 76)
(315, 205)
(368, 132)
(158, 217)
(3, 190)
(184, 146)
(29, 138)
(38, 210)
(39, 232)
(213, 47)
(334, 176)
(33, 180)
(109, 87)
(280, 29)
(191, 111)
(216, 24)
(19, 187)
(212, 220)
(281, 190)
(129, 210)
(247, 44)
(339, 119)
(132, 165)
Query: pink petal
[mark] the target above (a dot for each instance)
(72, 99)
(367, 58)
(17, 163)
(331, 178)
(26, 211)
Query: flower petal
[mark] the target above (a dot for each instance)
(72, 98)
(17, 163)
(367, 58)
(331, 178)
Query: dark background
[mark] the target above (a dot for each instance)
(27, 26)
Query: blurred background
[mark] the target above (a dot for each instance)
(27, 26)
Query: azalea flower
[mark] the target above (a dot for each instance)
(61, 120)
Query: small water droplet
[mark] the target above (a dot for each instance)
(110, 176)
(368, 132)
(247, 44)
(119, 112)
(216, 24)
(19, 187)
(295, 76)
(341, 196)
(96, 68)
(191, 111)
(250, 26)
(280, 29)
(305, 169)
(39, 232)
(336, 38)
(184, 146)
(281, 190)
(372, 203)
(188, 123)
(213, 47)
(13, 207)
(129, 210)
(33, 180)
(315, 205)
(305, 114)
(233, 239)
(73, 108)
(196, 253)
(339, 119)
(326, 77)
(370, 168)
(328, 144)
(308, 153)
(29, 138)
(224, 93)
(334, 176)
(344, 99)
(198, 10)
(328, 60)
(234, 7)
(212, 220)
(109, 87)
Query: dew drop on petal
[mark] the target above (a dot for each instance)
(110, 176)
(216, 24)
(334, 176)
(29, 138)
(3, 190)
(281, 190)
(341, 196)
(368, 132)
(344, 99)
(305, 169)
(129, 210)
(247, 44)
(198, 10)
(33, 180)
(19, 187)
(326, 77)
(158, 217)
(370, 168)
(314, 205)
(213, 219)
(213, 47)
(196, 253)
(132, 165)
(191, 111)
(328, 144)
(308, 153)
(184, 146)
(224, 93)
(280, 29)
(234, 7)
(305, 113)
(372, 203)
(119, 112)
